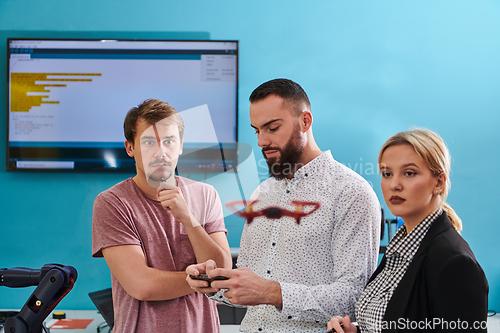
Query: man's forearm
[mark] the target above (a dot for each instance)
(161, 285)
(128, 266)
(205, 247)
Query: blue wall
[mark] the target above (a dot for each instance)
(371, 69)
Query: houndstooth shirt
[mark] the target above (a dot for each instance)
(370, 309)
(323, 263)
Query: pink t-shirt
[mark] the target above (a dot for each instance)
(123, 215)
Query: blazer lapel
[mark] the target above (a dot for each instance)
(378, 270)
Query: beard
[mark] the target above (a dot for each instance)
(159, 174)
(288, 161)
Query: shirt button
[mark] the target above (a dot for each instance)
(287, 191)
(388, 272)
(260, 329)
(268, 272)
(290, 317)
(274, 244)
(306, 175)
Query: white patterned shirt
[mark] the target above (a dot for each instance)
(370, 309)
(323, 263)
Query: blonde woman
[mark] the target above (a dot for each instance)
(429, 279)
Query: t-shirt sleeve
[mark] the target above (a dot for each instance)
(214, 220)
(111, 224)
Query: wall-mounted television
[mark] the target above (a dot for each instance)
(67, 99)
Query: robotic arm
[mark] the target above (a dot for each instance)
(54, 281)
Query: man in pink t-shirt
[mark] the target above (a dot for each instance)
(150, 227)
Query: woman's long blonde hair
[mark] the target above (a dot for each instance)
(434, 152)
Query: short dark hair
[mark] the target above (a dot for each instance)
(288, 90)
(152, 111)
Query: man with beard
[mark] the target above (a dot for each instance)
(150, 227)
(294, 277)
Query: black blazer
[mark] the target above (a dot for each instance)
(444, 288)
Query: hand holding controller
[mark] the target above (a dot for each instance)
(206, 278)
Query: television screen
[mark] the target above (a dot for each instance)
(67, 99)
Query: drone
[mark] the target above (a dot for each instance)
(272, 212)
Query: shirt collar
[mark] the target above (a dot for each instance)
(314, 166)
(407, 244)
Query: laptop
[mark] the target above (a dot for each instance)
(103, 301)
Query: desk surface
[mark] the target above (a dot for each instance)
(96, 317)
(494, 324)
(93, 315)
(97, 320)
